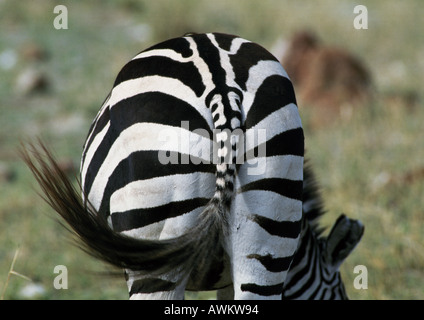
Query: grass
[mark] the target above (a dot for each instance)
(361, 163)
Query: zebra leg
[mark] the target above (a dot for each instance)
(154, 288)
(170, 286)
(265, 219)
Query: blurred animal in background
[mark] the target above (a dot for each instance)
(329, 80)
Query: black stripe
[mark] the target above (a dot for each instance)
(288, 188)
(304, 247)
(290, 142)
(310, 273)
(138, 218)
(151, 285)
(306, 251)
(99, 125)
(96, 126)
(274, 93)
(186, 72)
(319, 292)
(333, 295)
(328, 277)
(224, 40)
(247, 56)
(97, 159)
(179, 45)
(94, 130)
(272, 264)
(156, 107)
(263, 290)
(210, 54)
(287, 229)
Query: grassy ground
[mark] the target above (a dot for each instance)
(368, 166)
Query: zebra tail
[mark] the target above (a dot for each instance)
(98, 239)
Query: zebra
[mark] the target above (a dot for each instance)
(194, 224)
(314, 272)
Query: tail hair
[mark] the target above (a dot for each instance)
(97, 238)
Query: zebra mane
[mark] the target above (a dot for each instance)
(313, 203)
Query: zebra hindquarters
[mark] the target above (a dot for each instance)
(267, 209)
(160, 200)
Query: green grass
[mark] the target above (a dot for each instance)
(360, 163)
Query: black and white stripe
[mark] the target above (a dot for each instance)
(203, 221)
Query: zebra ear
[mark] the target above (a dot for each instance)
(342, 239)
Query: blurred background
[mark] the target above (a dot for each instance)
(367, 153)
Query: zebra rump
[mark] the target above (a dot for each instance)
(230, 89)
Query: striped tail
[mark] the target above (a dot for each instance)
(227, 120)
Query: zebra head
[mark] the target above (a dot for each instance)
(315, 270)
(335, 248)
